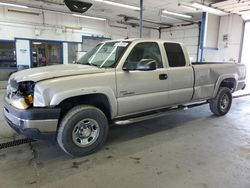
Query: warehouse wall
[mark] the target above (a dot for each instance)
(54, 26)
(227, 49)
(215, 50)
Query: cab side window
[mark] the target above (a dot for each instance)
(144, 50)
(175, 55)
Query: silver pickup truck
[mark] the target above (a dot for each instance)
(121, 81)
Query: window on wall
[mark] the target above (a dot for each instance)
(7, 54)
(46, 53)
(72, 52)
(7, 59)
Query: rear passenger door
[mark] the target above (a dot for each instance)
(180, 74)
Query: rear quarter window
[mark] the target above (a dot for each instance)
(175, 55)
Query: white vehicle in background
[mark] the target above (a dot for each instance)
(121, 81)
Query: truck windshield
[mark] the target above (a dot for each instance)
(104, 54)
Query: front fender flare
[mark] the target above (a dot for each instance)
(61, 96)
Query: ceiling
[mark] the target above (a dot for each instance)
(234, 6)
(152, 9)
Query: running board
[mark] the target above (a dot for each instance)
(156, 114)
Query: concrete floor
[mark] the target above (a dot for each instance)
(188, 149)
(6, 133)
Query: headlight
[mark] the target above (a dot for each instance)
(20, 94)
(22, 103)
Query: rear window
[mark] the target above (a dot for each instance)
(175, 55)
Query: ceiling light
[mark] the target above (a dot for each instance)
(89, 17)
(119, 4)
(208, 9)
(169, 17)
(13, 5)
(187, 6)
(24, 12)
(36, 43)
(176, 14)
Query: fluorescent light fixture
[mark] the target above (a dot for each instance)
(176, 14)
(187, 6)
(13, 5)
(208, 9)
(89, 17)
(119, 4)
(36, 43)
(169, 17)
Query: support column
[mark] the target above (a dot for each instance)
(141, 18)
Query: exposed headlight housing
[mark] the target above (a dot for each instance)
(21, 94)
(21, 102)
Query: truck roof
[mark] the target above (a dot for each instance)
(141, 39)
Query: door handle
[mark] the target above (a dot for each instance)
(163, 76)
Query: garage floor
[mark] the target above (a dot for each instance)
(189, 149)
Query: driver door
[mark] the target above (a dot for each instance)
(140, 91)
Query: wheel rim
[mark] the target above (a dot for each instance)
(85, 132)
(224, 102)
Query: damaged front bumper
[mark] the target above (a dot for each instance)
(35, 123)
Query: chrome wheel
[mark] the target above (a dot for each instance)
(224, 102)
(85, 132)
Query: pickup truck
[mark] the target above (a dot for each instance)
(117, 82)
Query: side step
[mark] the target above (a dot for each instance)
(156, 114)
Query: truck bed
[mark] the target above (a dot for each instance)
(208, 74)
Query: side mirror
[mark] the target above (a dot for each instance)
(146, 65)
(143, 65)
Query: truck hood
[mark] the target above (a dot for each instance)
(54, 71)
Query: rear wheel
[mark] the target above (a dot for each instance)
(221, 104)
(82, 131)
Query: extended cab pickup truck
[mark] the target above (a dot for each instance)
(121, 81)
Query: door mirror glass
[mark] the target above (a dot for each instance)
(142, 65)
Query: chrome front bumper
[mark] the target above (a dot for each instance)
(36, 123)
(46, 125)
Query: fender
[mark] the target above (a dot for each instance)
(53, 97)
(223, 77)
(60, 96)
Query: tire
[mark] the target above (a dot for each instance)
(221, 104)
(82, 131)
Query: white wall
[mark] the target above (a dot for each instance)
(65, 53)
(55, 26)
(212, 31)
(216, 50)
(227, 50)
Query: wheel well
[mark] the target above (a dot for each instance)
(98, 100)
(229, 83)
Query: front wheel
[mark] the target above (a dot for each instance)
(82, 131)
(221, 104)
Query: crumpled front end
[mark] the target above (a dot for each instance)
(23, 117)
